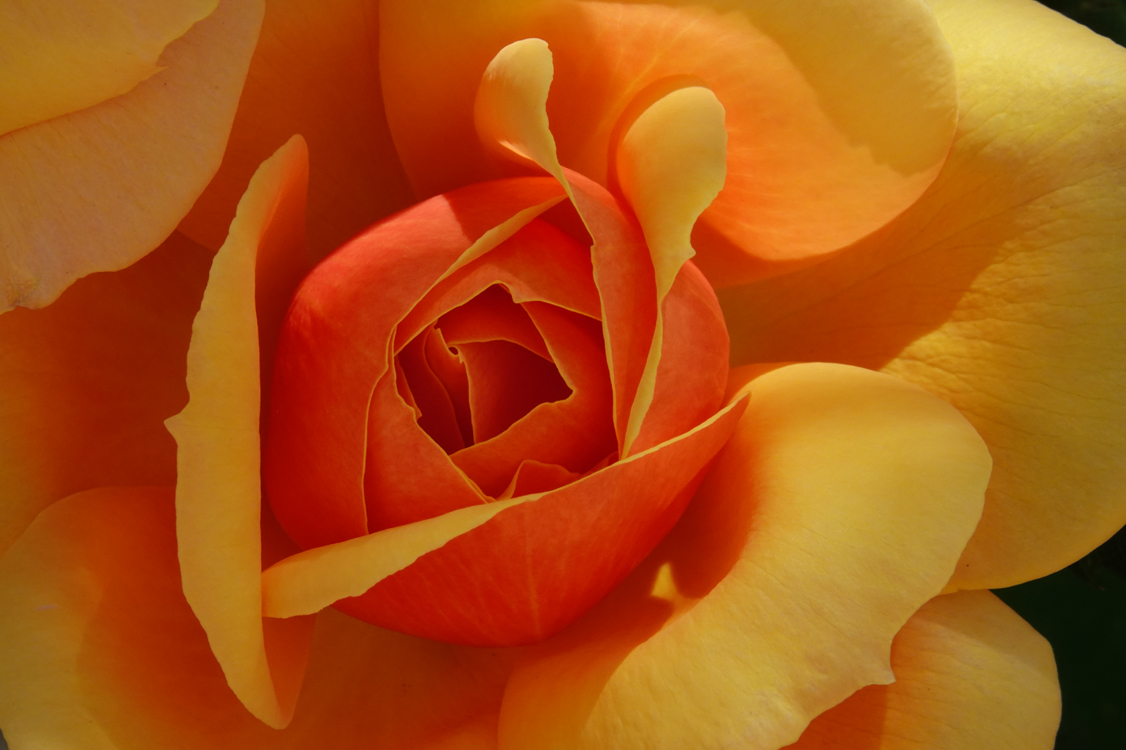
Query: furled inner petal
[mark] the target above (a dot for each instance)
(337, 342)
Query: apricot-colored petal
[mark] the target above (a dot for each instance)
(96, 190)
(218, 461)
(969, 673)
(1001, 290)
(314, 72)
(88, 381)
(100, 650)
(337, 332)
(510, 111)
(671, 164)
(63, 56)
(831, 134)
(837, 509)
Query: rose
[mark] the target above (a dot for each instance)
(1094, 186)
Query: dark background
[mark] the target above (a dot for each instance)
(1081, 610)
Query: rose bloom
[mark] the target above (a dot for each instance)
(454, 456)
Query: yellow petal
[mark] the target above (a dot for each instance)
(671, 164)
(1001, 290)
(969, 674)
(61, 55)
(97, 189)
(315, 72)
(101, 652)
(837, 509)
(88, 381)
(218, 462)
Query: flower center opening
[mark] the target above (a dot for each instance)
(477, 370)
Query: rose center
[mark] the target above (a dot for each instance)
(477, 370)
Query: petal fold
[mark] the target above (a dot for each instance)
(218, 486)
(98, 189)
(969, 674)
(62, 56)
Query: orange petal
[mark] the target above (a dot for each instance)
(60, 57)
(340, 333)
(448, 577)
(831, 134)
(100, 649)
(89, 381)
(314, 72)
(97, 189)
(969, 673)
(218, 485)
(1001, 290)
(836, 510)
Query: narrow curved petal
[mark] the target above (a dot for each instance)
(836, 510)
(61, 56)
(831, 134)
(314, 73)
(969, 674)
(1001, 290)
(88, 381)
(98, 189)
(101, 651)
(218, 462)
(671, 164)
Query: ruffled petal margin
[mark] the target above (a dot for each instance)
(969, 674)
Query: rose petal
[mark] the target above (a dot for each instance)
(969, 673)
(671, 164)
(1001, 290)
(314, 72)
(831, 134)
(836, 510)
(340, 333)
(64, 56)
(441, 576)
(89, 381)
(100, 650)
(218, 486)
(96, 190)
